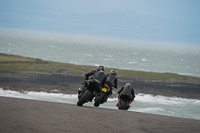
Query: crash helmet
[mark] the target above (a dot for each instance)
(129, 84)
(100, 68)
(114, 72)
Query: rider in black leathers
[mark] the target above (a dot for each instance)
(99, 78)
(112, 81)
(128, 86)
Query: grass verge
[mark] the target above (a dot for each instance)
(14, 63)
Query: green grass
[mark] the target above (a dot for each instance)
(25, 64)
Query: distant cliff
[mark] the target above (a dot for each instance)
(62, 83)
(29, 74)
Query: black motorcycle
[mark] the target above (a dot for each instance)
(124, 102)
(102, 98)
(87, 94)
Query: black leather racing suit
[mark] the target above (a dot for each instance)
(132, 93)
(99, 78)
(111, 82)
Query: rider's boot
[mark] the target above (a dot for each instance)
(129, 103)
(109, 94)
(81, 88)
(118, 102)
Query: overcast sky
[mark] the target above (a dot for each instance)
(146, 20)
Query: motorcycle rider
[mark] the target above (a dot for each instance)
(128, 90)
(99, 78)
(112, 81)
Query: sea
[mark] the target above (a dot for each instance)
(158, 57)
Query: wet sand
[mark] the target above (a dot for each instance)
(31, 116)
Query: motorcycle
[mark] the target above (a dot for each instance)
(102, 98)
(124, 103)
(87, 94)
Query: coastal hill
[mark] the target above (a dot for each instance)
(28, 74)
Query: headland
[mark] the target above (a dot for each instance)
(28, 74)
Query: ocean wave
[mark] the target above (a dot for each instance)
(148, 98)
(109, 59)
(132, 62)
(70, 51)
(171, 106)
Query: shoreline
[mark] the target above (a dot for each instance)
(69, 84)
(29, 74)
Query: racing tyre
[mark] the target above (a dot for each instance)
(98, 100)
(122, 105)
(84, 98)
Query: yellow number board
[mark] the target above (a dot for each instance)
(104, 89)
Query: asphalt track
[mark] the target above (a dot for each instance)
(31, 116)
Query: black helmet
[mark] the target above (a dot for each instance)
(100, 68)
(114, 72)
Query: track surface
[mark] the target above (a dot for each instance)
(31, 116)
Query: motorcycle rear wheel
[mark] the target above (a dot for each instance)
(122, 105)
(98, 100)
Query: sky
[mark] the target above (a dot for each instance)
(173, 21)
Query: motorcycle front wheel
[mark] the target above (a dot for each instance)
(84, 98)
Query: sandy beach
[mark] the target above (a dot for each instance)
(30, 116)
